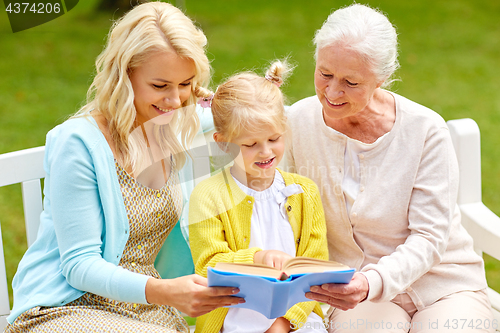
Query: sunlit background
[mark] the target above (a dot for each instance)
(449, 55)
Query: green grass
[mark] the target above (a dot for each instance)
(449, 53)
(190, 321)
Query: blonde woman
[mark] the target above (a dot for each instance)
(112, 196)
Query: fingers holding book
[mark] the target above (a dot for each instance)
(190, 294)
(341, 296)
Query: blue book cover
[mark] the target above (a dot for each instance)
(273, 296)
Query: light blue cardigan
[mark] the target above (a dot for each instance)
(84, 226)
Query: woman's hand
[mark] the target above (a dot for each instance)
(341, 296)
(273, 258)
(280, 325)
(190, 294)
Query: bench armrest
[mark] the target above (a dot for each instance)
(484, 226)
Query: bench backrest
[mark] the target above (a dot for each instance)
(24, 167)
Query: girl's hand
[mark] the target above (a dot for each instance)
(341, 296)
(273, 258)
(190, 294)
(280, 325)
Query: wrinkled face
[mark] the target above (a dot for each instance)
(161, 85)
(260, 153)
(344, 82)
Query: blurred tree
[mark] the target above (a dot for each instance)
(121, 6)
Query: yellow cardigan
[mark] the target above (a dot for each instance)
(219, 231)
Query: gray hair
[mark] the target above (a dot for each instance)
(366, 31)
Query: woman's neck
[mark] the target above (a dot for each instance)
(375, 120)
(151, 173)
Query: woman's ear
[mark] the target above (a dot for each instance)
(379, 84)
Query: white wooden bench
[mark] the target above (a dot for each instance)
(26, 167)
(481, 223)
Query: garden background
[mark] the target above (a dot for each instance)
(449, 55)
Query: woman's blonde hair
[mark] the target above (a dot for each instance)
(246, 101)
(146, 29)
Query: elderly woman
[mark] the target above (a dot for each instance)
(388, 176)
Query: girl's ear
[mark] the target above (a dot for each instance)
(221, 142)
(216, 136)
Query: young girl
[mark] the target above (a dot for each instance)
(253, 212)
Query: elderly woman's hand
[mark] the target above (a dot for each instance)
(190, 294)
(341, 296)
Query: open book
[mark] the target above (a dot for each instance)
(271, 291)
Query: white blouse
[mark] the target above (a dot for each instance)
(351, 181)
(269, 230)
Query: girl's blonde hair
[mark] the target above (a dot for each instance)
(146, 29)
(246, 101)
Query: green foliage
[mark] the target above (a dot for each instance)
(190, 321)
(492, 267)
(449, 55)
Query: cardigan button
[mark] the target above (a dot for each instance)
(289, 208)
(361, 156)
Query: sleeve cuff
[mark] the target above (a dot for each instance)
(374, 283)
(297, 314)
(132, 290)
(246, 255)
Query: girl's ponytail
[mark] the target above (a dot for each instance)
(278, 72)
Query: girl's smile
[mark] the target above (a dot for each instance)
(266, 164)
(259, 154)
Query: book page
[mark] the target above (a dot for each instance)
(296, 265)
(311, 265)
(249, 269)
